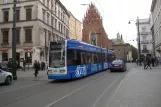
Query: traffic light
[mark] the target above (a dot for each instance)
(28, 52)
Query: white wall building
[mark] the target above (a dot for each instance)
(156, 29)
(38, 21)
(145, 37)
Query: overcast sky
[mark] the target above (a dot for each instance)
(115, 13)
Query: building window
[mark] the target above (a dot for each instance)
(17, 15)
(144, 38)
(59, 27)
(49, 36)
(5, 36)
(18, 36)
(52, 22)
(55, 8)
(62, 28)
(64, 31)
(48, 18)
(59, 14)
(43, 13)
(4, 56)
(28, 14)
(144, 47)
(28, 35)
(48, 3)
(55, 23)
(143, 29)
(44, 2)
(6, 16)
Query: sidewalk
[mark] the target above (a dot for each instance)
(30, 74)
(140, 88)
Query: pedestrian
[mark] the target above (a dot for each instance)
(148, 62)
(42, 65)
(36, 67)
(136, 61)
(145, 62)
(24, 65)
(39, 67)
(153, 61)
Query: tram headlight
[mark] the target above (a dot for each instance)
(62, 71)
(49, 71)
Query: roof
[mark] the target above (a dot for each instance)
(59, 2)
(76, 44)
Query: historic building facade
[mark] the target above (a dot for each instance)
(38, 22)
(75, 28)
(93, 30)
(145, 37)
(156, 27)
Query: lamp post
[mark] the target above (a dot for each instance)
(14, 65)
(139, 46)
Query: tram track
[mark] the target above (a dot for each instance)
(50, 87)
(81, 88)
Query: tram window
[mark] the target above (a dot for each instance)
(88, 58)
(99, 57)
(92, 61)
(73, 57)
(83, 58)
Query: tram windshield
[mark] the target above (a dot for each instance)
(57, 55)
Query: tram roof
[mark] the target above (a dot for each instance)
(75, 44)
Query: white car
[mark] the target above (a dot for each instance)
(5, 77)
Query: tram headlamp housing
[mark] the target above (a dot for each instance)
(49, 71)
(62, 71)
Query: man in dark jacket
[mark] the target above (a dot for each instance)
(36, 67)
(148, 58)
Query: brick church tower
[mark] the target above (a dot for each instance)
(93, 30)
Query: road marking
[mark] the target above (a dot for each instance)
(71, 93)
(95, 102)
(20, 88)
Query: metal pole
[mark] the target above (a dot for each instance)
(14, 65)
(153, 40)
(45, 48)
(139, 48)
(28, 62)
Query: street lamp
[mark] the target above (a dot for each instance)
(139, 48)
(14, 64)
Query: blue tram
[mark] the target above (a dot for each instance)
(71, 59)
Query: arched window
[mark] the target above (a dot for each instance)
(93, 38)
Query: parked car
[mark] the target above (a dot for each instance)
(5, 77)
(118, 65)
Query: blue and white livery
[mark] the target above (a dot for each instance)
(74, 59)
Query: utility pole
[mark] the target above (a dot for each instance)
(14, 64)
(139, 46)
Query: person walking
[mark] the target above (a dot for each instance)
(24, 65)
(145, 62)
(36, 67)
(153, 61)
(148, 62)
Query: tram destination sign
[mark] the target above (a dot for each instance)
(56, 46)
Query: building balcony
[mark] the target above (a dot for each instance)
(145, 51)
(5, 44)
(145, 33)
(146, 42)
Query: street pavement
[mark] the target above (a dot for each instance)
(134, 88)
